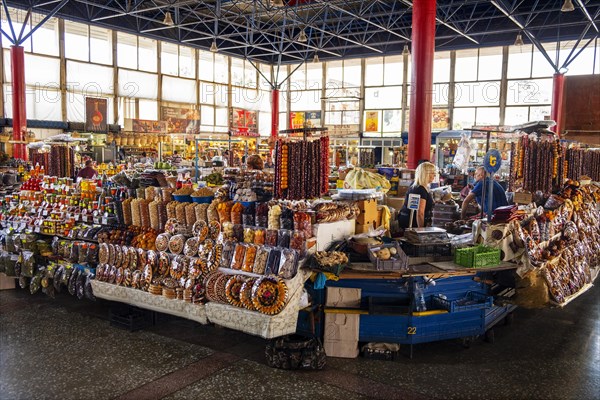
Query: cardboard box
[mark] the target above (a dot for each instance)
(368, 212)
(343, 297)
(379, 214)
(341, 335)
(9, 283)
(328, 232)
(395, 202)
(363, 228)
(522, 197)
(367, 205)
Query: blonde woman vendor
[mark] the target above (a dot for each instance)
(424, 175)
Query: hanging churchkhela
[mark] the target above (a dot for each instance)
(301, 168)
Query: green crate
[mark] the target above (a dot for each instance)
(477, 257)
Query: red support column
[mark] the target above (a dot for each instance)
(558, 86)
(274, 113)
(17, 58)
(423, 48)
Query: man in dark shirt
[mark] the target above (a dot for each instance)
(88, 172)
(481, 185)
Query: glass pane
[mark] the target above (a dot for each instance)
(441, 67)
(265, 101)
(263, 83)
(207, 93)
(147, 54)
(138, 84)
(7, 73)
(179, 90)
(41, 70)
(76, 41)
(583, 64)
(207, 115)
(148, 109)
(441, 94)
(333, 118)
(374, 71)
(75, 107)
(44, 104)
(221, 116)
(531, 92)
(334, 74)
(17, 17)
(283, 121)
(490, 63)
(7, 101)
(221, 68)
(516, 115)
(352, 70)
(249, 75)
(169, 59)
(464, 118)
(350, 117)
(541, 67)
(477, 93)
(392, 120)
(221, 95)
(187, 62)
(206, 66)
(308, 100)
(45, 39)
(101, 45)
(282, 101)
(92, 80)
(466, 65)
(539, 113)
(393, 70)
(126, 50)
(264, 124)
(314, 76)
(298, 79)
(237, 72)
(383, 97)
(488, 116)
(519, 62)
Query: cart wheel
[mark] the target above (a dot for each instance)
(467, 341)
(489, 336)
(508, 320)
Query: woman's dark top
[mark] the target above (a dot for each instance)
(404, 215)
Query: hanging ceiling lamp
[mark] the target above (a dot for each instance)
(168, 19)
(316, 58)
(302, 37)
(213, 46)
(277, 3)
(568, 6)
(519, 40)
(406, 51)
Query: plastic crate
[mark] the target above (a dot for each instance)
(472, 301)
(477, 257)
(426, 250)
(398, 262)
(130, 318)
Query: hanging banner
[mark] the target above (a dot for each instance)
(297, 120)
(439, 119)
(181, 120)
(243, 123)
(95, 115)
(148, 126)
(305, 119)
(372, 121)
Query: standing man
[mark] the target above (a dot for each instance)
(481, 187)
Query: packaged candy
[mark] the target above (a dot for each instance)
(283, 238)
(273, 262)
(271, 237)
(260, 236)
(288, 264)
(248, 235)
(238, 256)
(249, 258)
(260, 261)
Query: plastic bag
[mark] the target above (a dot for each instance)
(463, 154)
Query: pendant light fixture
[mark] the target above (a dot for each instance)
(316, 58)
(213, 47)
(568, 6)
(302, 37)
(406, 51)
(519, 40)
(277, 3)
(168, 19)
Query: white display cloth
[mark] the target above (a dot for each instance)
(251, 322)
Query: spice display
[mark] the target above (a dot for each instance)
(238, 256)
(271, 237)
(236, 213)
(249, 258)
(180, 213)
(260, 261)
(273, 216)
(248, 235)
(262, 215)
(260, 236)
(190, 214)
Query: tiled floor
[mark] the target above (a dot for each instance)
(66, 349)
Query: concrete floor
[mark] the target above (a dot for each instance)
(66, 349)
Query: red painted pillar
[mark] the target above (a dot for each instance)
(423, 48)
(17, 59)
(274, 113)
(558, 86)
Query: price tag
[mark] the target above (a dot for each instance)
(23, 225)
(77, 217)
(36, 229)
(413, 202)
(104, 221)
(45, 213)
